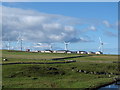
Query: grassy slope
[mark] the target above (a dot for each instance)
(28, 76)
(62, 76)
(98, 58)
(30, 55)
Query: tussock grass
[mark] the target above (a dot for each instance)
(56, 75)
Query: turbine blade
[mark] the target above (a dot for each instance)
(68, 43)
(106, 43)
(99, 47)
(100, 40)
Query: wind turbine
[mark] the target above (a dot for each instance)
(66, 45)
(50, 46)
(8, 44)
(20, 40)
(101, 45)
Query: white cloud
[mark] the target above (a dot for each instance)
(43, 27)
(93, 28)
(69, 28)
(106, 23)
(52, 26)
(110, 25)
(36, 26)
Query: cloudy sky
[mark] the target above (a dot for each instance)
(60, 0)
(80, 23)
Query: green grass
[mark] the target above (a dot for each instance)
(56, 75)
(44, 79)
(30, 55)
(14, 60)
(98, 58)
(39, 76)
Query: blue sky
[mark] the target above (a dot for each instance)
(90, 20)
(102, 10)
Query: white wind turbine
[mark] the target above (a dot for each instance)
(101, 45)
(20, 40)
(66, 45)
(50, 46)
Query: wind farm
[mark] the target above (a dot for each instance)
(50, 47)
(48, 68)
(59, 45)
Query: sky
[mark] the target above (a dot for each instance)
(59, 0)
(80, 23)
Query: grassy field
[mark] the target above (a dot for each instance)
(31, 55)
(64, 75)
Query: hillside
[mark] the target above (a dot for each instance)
(87, 71)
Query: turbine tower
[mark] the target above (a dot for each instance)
(66, 45)
(101, 45)
(21, 44)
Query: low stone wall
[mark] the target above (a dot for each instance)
(69, 61)
(67, 57)
(98, 73)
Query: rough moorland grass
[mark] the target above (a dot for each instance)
(98, 58)
(30, 55)
(56, 75)
(39, 76)
(56, 82)
(13, 60)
